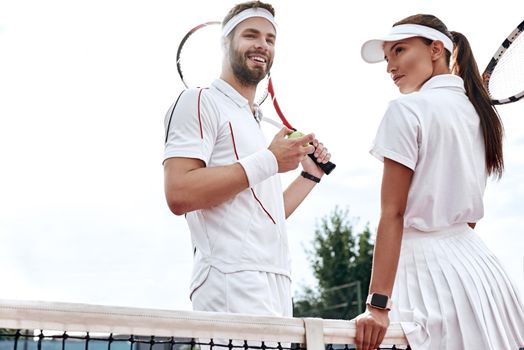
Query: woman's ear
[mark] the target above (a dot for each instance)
(437, 50)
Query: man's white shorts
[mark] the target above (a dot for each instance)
(248, 292)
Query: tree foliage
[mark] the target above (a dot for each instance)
(341, 263)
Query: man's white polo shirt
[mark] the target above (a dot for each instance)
(436, 132)
(247, 232)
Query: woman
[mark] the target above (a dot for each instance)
(439, 143)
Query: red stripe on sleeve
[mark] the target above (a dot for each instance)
(233, 138)
(199, 118)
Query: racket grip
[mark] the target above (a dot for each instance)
(327, 168)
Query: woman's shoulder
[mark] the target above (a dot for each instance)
(417, 103)
(405, 104)
(411, 99)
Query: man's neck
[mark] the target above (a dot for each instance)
(246, 91)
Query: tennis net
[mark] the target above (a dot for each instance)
(28, 325)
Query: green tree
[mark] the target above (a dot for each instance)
(363, 262)
(341, 268)
(307, 303)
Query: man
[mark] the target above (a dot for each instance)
(221, 174)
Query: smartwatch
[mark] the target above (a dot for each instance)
(379, 301)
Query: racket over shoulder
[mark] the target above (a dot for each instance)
(197, 66)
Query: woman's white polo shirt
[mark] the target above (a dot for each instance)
(436, 133)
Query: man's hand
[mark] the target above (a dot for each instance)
(290, 152)
(322, 155)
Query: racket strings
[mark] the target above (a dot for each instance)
(507, 78)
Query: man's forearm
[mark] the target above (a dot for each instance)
(296, 193)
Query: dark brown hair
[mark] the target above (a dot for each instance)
(465, 66)
(244, 6)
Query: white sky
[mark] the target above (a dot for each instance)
(84, 87)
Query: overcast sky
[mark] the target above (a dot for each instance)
(84, 87)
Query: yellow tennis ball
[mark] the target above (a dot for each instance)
(295, 134)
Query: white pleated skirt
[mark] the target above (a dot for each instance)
(452, 293)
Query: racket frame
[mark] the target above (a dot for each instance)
(486, 76)
(181, 46)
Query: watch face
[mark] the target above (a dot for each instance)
(379, 300)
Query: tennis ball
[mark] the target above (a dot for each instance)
(295, 134)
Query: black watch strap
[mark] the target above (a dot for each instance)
(310, 177)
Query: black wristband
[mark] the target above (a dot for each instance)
(310, 177)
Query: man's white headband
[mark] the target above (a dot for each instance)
(373, 50)
(248, 13)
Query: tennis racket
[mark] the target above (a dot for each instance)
(504, 75)
(198, 64)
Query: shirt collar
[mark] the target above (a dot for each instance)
(444, 81)
(230, 92)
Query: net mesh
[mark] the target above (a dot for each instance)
(60, 326)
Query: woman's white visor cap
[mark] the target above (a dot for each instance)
(373, 50)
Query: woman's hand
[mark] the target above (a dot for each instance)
(371, 328)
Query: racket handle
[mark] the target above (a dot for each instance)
(327, 168)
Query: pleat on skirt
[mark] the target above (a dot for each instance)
(451, 293)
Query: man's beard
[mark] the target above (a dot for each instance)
(245, 75)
